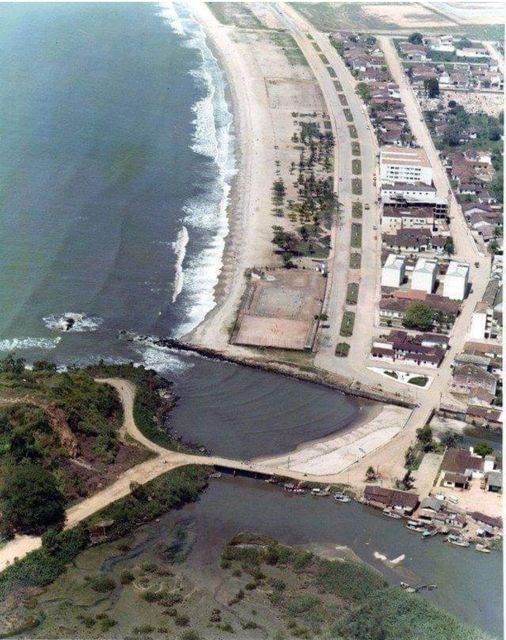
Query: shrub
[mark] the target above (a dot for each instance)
(127, 577)
(30, 499)
(342, 349)
(182, 620)
(102, 584)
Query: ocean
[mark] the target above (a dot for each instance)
(114, 177)
(117, 159)
(118, 154)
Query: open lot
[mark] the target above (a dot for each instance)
(279, 311)
(474, 498)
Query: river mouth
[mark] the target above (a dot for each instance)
(244, 413)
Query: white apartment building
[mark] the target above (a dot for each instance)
(456, 281)
(424, 275)
(403, 164)
(479, 322)
(416, 193)
(393, 272)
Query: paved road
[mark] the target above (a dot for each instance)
(496, 54)
(353, 366)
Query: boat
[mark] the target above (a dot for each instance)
(391, 514)
(321, 493)
(415, 525)
(428, 533)
(341, 497)
(482, 547)
(457, 540)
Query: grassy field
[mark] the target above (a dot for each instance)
(353, 131)
(290, 48)
(338, 85)
(324, 59)
(356, 209)
(235, 14)
(355, 261)
(347, 16)
(342, 99)
(356, 235)
(356, 186)
(339, 16)
(347, 324)
(356, 167)
(269, 590)
(352, 293)
(348, 115)
(331, 71)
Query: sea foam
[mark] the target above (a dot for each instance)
(179, 247)
(212, 138)
(15, 344)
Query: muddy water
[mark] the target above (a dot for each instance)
(469, 583)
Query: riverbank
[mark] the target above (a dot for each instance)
(182, 551)
(265, 363)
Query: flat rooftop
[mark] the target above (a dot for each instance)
(459, 269)
(424, 265)
(404, 156)
(394, 261)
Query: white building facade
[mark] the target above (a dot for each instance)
(424, 275)
(404, 164)
(456, 281)
(392, 274)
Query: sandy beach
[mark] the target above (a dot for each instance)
(249, 238)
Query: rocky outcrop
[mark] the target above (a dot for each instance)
(58, 423)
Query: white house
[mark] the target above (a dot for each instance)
(404, 164)
(424, 275)
(456, 280)
(479, 322)
(392, 274)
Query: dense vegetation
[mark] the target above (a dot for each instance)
(342, 599)
(47, 421)
(146, 502)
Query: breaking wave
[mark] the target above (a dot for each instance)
(72, 322)
(179, 247)
(15, 344)
(212, 138)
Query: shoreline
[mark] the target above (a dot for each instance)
(307, 374)
(236, 209)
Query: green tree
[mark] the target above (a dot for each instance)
(451, 439)
(363, 91)
(30, 500)
(431, 87)
(483, 449)
(370, 474)
(418, 315)
(416, 38)
(424, 436)
(44, 365)
(449, 247)
(493, 247)
(12, 365)
(408, 481)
